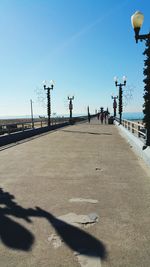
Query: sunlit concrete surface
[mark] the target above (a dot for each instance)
(40, 176)
(136, 143)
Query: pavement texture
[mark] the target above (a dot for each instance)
(78, 196)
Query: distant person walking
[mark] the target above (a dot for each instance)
(102, 117)
(105, 116)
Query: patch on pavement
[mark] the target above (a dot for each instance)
(86, 257)
(88, 261)
(55, 240)
(93, 201)
(78, 220)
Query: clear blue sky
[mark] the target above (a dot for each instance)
(81, 44)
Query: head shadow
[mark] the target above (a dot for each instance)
(12, 233)
(16, 236)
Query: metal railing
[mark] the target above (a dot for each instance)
(14, 126)
(136, 128)
(8, 127)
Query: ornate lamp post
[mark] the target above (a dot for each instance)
(137, 21)
(70, 106)
(114, 104)
(120, 85)
(49, 99)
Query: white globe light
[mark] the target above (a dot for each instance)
(137, 19)
(52, 82)
(124, 78)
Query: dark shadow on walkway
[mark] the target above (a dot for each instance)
(99, 124)
(13, 234)
(75, 238)
(67, 131)
(16, 236)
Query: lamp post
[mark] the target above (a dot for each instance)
(114, 104)
(70, 106)
(49, 99)
(32, 120)
(120, 85)
(137, 21)
(89, 115)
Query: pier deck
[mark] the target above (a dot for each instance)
(82, 169)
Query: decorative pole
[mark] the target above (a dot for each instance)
(114, 104)
(120, 85)
(49, 100)
(70, 107)
(32, 113)
(137, 21)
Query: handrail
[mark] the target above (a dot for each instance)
(20, 126)
(137, 129)
(141, 125)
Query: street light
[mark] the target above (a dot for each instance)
(114, 104)
(49, 99)
(89, 115)
(120, 85)
(32, 119)
(70, 107)
(137, 21)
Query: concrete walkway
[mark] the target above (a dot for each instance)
(74, 197)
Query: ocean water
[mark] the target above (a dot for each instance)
(37, 116)
(133, 115)
(125, 115)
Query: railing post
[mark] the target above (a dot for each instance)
(23, 127)
(132, 127)
(8, 127)
(138, 130)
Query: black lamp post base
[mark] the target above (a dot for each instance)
(148, 137)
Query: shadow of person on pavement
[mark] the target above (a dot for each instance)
(16, 236)
(75, 238)
(13, 234)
